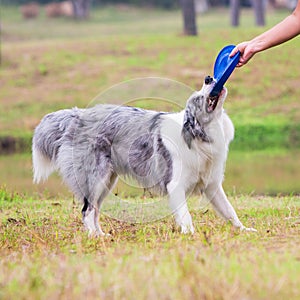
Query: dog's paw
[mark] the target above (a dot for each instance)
(97, 234)
(185, 223)
(248, 229)
(186, 229)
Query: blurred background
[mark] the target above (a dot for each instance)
(61, 54)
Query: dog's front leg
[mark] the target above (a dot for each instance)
(180, 210)
(219, 201)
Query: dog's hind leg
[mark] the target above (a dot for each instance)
(219, 201)
(90, 218)
(91, 208)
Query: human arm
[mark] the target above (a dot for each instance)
(280, 33)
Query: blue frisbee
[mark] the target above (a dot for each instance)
(224, 66)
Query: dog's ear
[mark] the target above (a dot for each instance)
(187, 132)
(191, 127)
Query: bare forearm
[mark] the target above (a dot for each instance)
(280, 33)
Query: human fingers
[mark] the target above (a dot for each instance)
(245, 54)
(234, 51)
(239, 48)
(241, 63)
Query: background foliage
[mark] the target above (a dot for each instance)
(167, 4)
(50, 64)
(154, 3)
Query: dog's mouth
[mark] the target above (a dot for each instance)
(212, 99)
(211, 103)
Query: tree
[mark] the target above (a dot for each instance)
(235, 12)
(189, 17)
(259, 11)
(81, 8)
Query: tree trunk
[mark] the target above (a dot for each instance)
(0, 42)
(81, 9)
(259, 11)
(235, 12)
(189, 17)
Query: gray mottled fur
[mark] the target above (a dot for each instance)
(93, 145)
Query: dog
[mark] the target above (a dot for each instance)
(171, 153)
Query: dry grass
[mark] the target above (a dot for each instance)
(45, 254)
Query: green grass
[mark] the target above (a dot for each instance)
(46, 254)
(52, 64)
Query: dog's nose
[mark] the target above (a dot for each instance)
(208, 80)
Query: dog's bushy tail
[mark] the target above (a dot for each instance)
(42, 165)
(47, 139)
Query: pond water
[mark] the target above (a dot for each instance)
(256, 172)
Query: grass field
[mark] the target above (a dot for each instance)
(52, 64)
(45, 254)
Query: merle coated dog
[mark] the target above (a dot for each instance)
(171, 153)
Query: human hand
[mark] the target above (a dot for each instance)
(246, 51)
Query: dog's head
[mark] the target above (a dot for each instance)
(200, 110)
